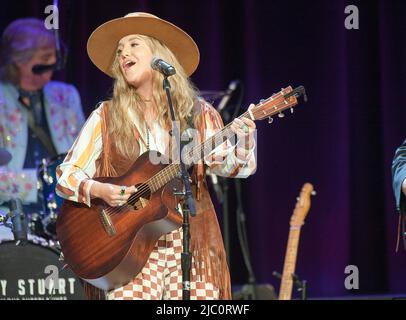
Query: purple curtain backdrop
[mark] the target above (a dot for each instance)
(342, 140)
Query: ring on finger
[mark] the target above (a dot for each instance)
(245, 128)
(122, 190)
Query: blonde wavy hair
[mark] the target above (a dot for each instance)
(183, 95)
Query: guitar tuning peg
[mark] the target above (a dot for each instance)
(292, 110)
(297, 198)
(262, 100)
(313, 193)
(281, 114)
(270, 120)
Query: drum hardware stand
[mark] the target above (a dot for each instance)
(188, 204)
(19, 221)
(52, 206)
(35, 225)
(46, 176)
(3, 221)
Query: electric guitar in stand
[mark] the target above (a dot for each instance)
(296, 221)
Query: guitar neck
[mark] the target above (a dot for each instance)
(285, 292)
(276, 104)
(192, 156)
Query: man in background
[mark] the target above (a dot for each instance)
(39, 118)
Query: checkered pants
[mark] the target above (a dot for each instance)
(161, 277)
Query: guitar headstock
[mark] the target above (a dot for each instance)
(302, 206)
(285, 99)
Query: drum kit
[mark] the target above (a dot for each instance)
(31, 262)
(44, 224)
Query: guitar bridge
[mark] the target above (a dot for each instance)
(107, 223)
(141, 203)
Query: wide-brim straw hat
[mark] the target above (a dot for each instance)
(103, 42)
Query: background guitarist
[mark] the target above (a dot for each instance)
(136, 120)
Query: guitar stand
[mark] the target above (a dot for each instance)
(301, 285)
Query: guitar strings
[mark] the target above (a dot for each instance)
(143, 191)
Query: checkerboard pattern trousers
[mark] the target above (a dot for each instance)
(161, 277)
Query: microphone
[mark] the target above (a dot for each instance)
(162, 66)
(18, 220)
(229, 92)
(42, 68)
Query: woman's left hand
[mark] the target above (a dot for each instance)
(244, 128)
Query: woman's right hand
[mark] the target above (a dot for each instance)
(112, 194)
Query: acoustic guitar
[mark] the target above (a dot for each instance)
(108, 246)
(296, 221)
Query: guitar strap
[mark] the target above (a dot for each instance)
(38, 131)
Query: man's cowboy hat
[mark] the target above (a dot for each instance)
(103, 42)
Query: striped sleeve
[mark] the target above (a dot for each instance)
(226, 160)
(75, 174)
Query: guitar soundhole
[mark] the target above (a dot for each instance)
(140, 199)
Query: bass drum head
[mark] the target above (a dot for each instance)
(33, 272)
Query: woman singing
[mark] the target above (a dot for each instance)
(136, 119)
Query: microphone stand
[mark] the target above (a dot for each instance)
(224, 186)
(249, 291)
(226, 218)
(188, 204)
(224, 182)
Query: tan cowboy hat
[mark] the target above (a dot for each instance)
(102, 43)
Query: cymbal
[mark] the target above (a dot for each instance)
(5, 157)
